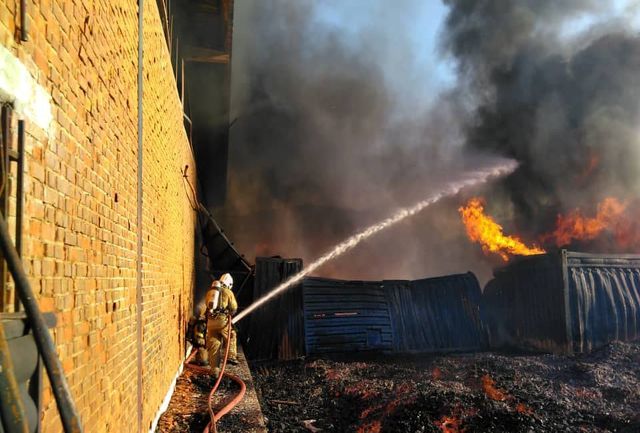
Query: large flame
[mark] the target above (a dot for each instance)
(575, 226)
(483, 229)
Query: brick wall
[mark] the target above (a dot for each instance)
(80, 216)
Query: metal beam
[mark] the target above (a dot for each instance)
(206, 55)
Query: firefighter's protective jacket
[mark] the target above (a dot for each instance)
(225, 302)
(220, 304)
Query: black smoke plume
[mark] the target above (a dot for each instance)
(565, 105)
(329, 137)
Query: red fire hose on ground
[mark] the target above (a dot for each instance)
(215, 417)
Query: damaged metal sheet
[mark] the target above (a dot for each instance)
(436, 314)
(564, 302)
(603, 298)
(275, 331)
(524, 305)
(429, 315)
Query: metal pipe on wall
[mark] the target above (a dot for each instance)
(20, 187)
(19, 197)
(139, 213)
(24, 34)
(5, 146)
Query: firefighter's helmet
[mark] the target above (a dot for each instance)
(227, 280)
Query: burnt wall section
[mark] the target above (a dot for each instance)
(524, 305)
(564, 302)
(276, 330)
(336, 316)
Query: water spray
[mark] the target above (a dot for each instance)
(473, 178)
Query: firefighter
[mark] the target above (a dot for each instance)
(220, 304)
(197, 336)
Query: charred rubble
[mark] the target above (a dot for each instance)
(486, 392)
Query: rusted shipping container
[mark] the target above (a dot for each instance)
(563, 302)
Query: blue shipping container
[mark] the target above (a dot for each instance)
(429, 315)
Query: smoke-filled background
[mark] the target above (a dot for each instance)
(557, 87)
(342, 113)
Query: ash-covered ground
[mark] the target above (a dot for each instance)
(486, 392)
(188, 409)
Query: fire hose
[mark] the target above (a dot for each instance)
(215, 417)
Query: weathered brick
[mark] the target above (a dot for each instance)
(48, 267)
(35, 208)
(48, 231)
(36, 171)
(46, 304)
(80, 246)
(51, 196)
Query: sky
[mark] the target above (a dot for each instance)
(422, 22)
(418, 75)
(423, 27)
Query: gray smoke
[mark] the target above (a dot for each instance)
(337, 124)
(565, 104)
(333, 133)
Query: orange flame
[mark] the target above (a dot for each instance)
(492, 392)
(436, 374)
(373, 427)
(575, 226)
(483, 229)
(450, 425)
(524, 409)
(374, 415)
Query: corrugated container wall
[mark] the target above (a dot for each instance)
(436, 314)
(346, 316)
(564, 302)
(429, 315)
(275, 331)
